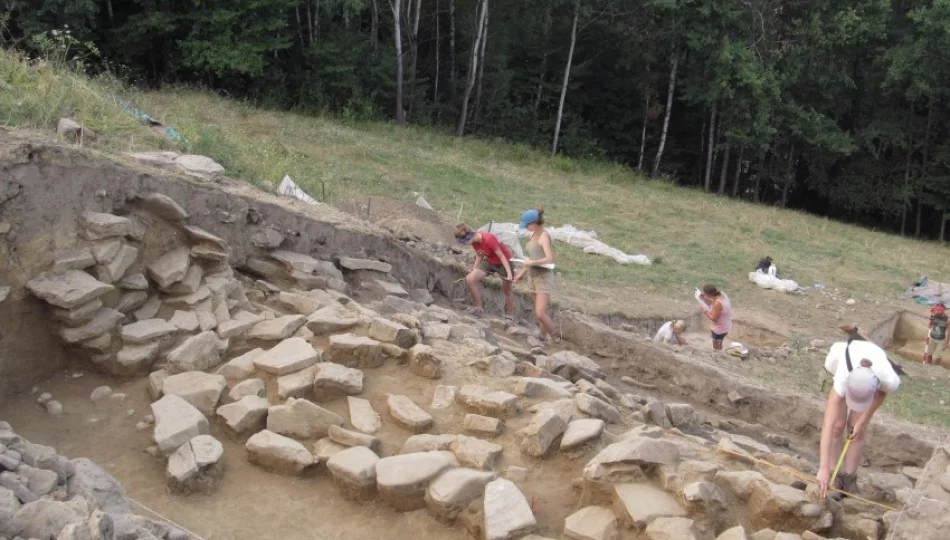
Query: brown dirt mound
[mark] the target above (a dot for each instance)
(403, 218)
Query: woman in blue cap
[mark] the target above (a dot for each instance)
(539, 266)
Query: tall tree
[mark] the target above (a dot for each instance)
(396, 7)
(481, 16)
(567, 77)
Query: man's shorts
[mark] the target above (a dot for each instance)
(936, 347)
(719, 337)
(499, 269)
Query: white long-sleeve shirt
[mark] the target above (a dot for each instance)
(836, 364)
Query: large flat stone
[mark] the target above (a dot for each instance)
(352, 438)
(329, 320)
(592, 523)
(298, 384)
(639, 504)
(547, 425)
(581, 432)
(408, 414)
(176, 422)
(115, 269)
(277, 329)
(354, 351)
(79, 315)
(332, 381)
(198, 352)
(67, 290)
(105, 320)
(97, 225)
(240, 324)
(597, 408)
(362, 415)
(483, 425)
(301, 418)
(104, 251)
(532, 387)
(74, 259)
(147, 330)
(171, 267)
(507, 513)
(247, 414)
(288, 356)
(133, 359)
(189, 301)
(241, 367)
(354, 472)
(306, 264)
(628, 458)
(389, 331)
(164, 207)
(277, 453)
(303, 304)
(454, 489)
(200, 389)
(402, 480)
(365, 264)
(487, 401)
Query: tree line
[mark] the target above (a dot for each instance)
(837, 108)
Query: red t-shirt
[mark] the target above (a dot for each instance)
(487, 247)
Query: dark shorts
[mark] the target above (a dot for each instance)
(499, 269)
(719, 337)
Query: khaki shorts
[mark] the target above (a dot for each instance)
(499, 269)
(541, 281)
(935, 345)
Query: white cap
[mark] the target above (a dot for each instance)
(861, 386)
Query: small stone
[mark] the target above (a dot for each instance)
(354, 472)
(682, 415)
(352, 438)
(581, 432)
(156, 380)
(547, 425)
(324, 449)
(44, 397)
(488, 402)
(329, 320)
(531, 387)
(96, 226)
(149, 309)
(422, 296)
(735, 397)
(444, 396)
(250, 387)
(408, 414)
(39, 481)
(195, 465)
(354, 351)
(241, 367)
(278, 453)
(639, 504)
(146, 330)
(171, 267)
(164, 207)
(301, 418)
(424, 363)
(392, 289)
(298, 384)
(78, 315)
(133, 282)
(402, 480)
(185, 321)
(202, 390)
(597, 408)
(73, 259)
(735, 533)
(267, 238)
(100, 393)
(592, 523)
(54, 408)
(362, 415)
(388, 331)
(507, 513)
(115, 269)
(516, 474)
(944, 481)
(198, 352)
(484, 425)
(670, 528)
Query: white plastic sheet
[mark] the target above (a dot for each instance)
(767, 281)
(585, 240)
(508, 238)
(290, 189)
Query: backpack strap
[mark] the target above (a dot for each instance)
(847, 354)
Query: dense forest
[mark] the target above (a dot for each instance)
(837, 108)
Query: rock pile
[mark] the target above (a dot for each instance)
(46, 495)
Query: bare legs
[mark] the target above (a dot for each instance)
(476, 276)
(509, 298)
(541, 300)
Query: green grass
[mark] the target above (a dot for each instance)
(696, 238)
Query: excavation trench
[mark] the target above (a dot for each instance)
(44, 190)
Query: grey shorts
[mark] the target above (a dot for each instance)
(499, 269)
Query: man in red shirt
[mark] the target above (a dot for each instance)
(491, 257)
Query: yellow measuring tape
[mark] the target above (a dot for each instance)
(809, 479)
(844, 452)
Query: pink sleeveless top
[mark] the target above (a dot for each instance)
(723, 325)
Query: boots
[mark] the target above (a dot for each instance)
(847, 482)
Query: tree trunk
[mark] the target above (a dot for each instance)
(310, 19)
(788, 175)
(414, 57)
(666, 117)
(299, 25)
(735, 180)
(435, 88)
(643, 132)
(710, 148)
(567, 76)
(943, 224)
(374, 30)
(759, 171)
(538, 92)
(722, 172)
(316, 21)
(453, 66)
(109, 10)
(905, 199)
(396, 6)
(481, 72)
(923, 167)
(472, 68)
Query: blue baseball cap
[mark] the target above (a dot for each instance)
(529, 217)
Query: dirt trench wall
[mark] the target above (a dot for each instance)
(892, 442)
(44, 188)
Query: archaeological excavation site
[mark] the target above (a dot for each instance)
(192, 358)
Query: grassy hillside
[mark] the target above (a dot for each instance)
(695, 238)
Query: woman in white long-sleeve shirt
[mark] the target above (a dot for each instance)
(860, 387)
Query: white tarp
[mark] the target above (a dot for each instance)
(509, 238)
(290, 189)
(585, 240)
(767, 281)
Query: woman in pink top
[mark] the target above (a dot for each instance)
(719, 312)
